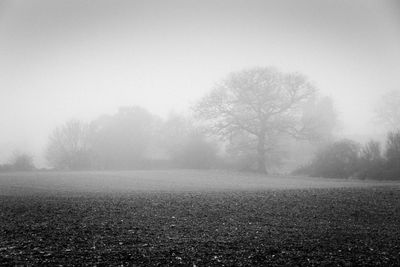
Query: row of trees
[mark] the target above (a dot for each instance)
(130, 139)
(242, 122)
(19, 162)
(346, 158)
(251, 120)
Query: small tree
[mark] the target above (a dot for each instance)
(69, 146)
(262, 103)
(22, 162)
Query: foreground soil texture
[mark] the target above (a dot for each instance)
(303, 227)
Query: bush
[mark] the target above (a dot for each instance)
(338, 160)
(392, 157)
(371, 161)
(345, 159)
(22, 162)
(393, 150)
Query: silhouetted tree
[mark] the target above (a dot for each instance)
(69, 146)
(261, 103)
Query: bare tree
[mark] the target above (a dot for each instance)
(388, 110)
(371, 152)
(69, 146)
(260, 102)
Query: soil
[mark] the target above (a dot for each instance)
(305, 227)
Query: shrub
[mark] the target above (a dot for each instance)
(345, 159)
(392, 156)
(338, 160)
(393, 150)
(371, 161)
(22, 162)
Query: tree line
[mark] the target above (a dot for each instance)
(373, 160)
(251, 120)
(347, 158)
(240, 123)
(133, 138)
(19, 162)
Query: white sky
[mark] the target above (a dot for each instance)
(78, 59)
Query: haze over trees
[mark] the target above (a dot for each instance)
(186, 144)
(69, 146)
(22, 162)
(19, 162)
(254, 119)
(388, 110)
(346, 158)
(336, 160)
(254, 108)
(110, 142)
(133, 138)
(122, 140)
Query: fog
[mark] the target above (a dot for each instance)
(81, 59)
(70, 183)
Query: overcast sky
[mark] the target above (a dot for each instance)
(79, 59)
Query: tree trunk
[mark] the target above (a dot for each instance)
(261, 167)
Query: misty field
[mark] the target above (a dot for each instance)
(196, 218)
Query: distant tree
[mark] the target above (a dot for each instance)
(121, 141)
(69, 146)
(196, 152)
(22, 162)
(261, 103)
(320, 116)
(175, 129)
(186, 145)
(371, 152)
(241, 152)
(371, 161)
(6, 167)
(393, 150)
(388, 110)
